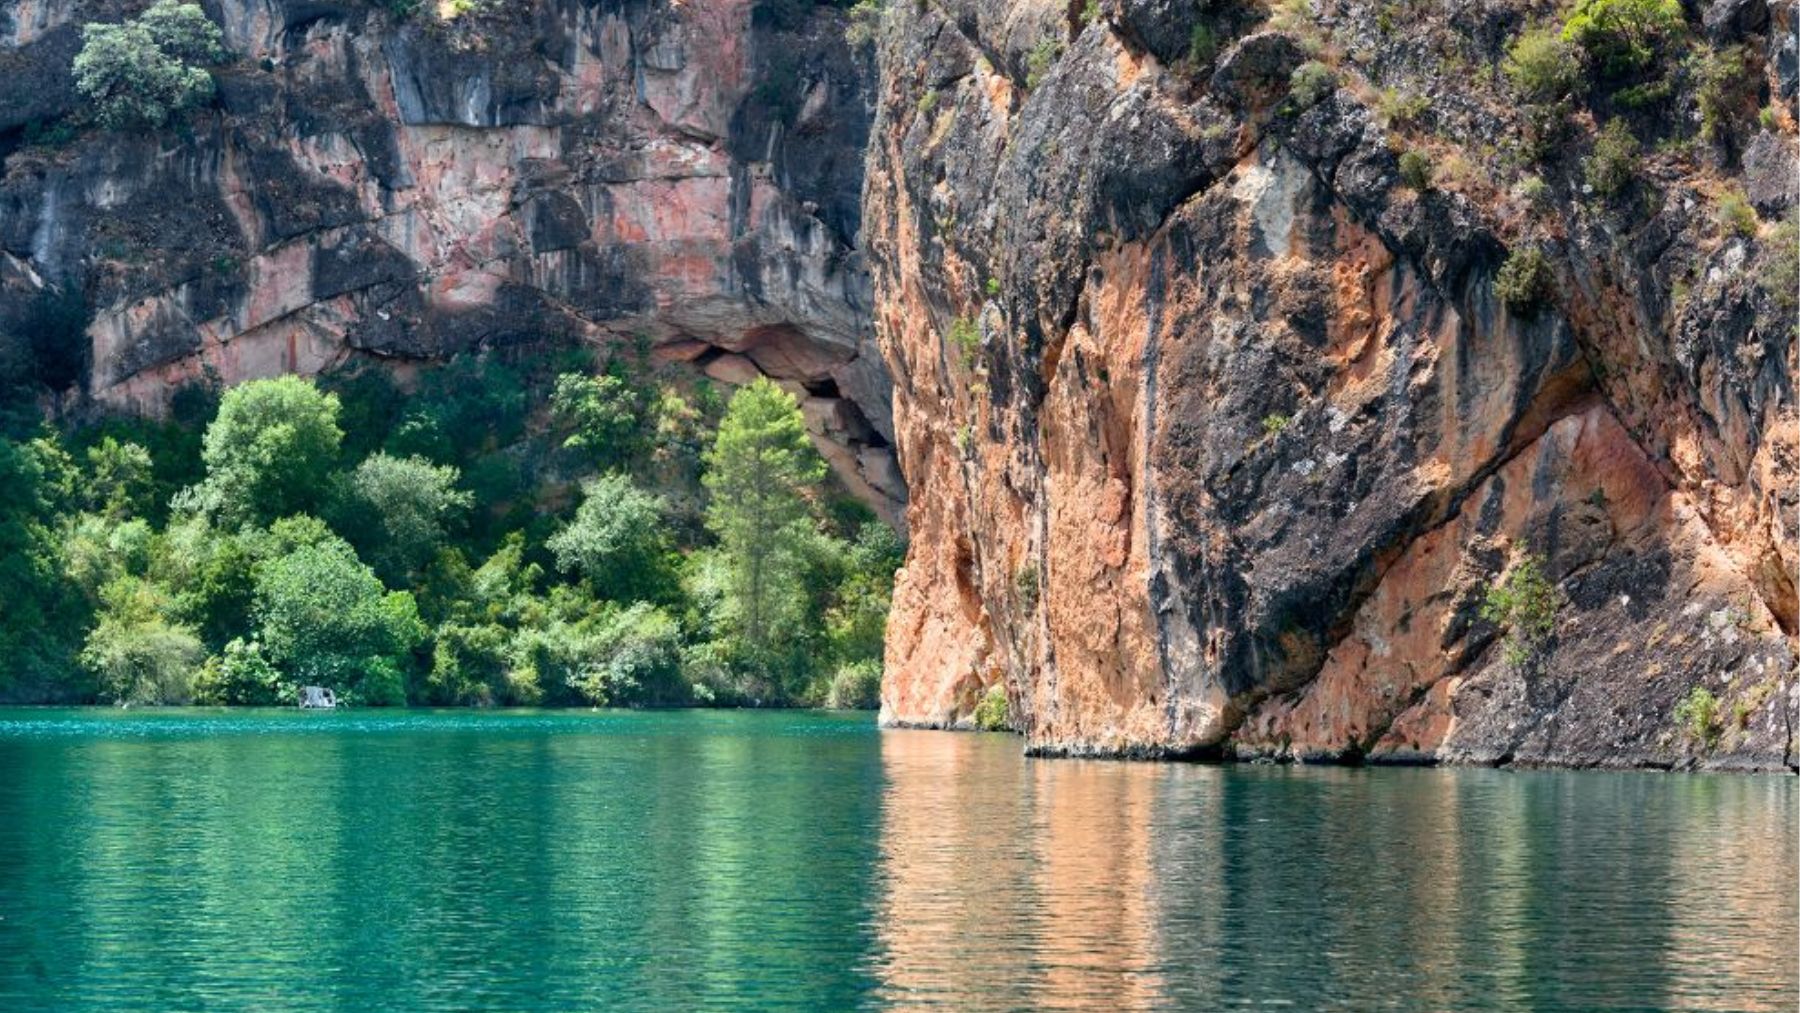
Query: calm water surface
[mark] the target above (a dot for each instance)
(550, 861)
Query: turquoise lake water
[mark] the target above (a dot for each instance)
(554, 860)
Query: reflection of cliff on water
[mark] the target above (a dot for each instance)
(1055, 883)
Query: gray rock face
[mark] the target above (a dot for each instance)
(412, 188)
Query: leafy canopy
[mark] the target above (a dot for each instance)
(269, 453)
(326, 620)
(144, 71)
(399, 511)
(618, 540)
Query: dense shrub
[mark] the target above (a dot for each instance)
(1614, 164)
(1542, 66)
(1310, 83)
(1624, 37)
(630, 657)
(794, 594)
(856, 686)
(991, 714)
(1525, 603)
(241, 675)
(1415, 170)
(136, 653)
(600, 414)
(1524, 283)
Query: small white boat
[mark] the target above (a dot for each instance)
(317, 698)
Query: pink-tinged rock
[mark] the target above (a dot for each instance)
(878, 466)
(784, 351)
(823, 414)
(732, 369)
(679, 350)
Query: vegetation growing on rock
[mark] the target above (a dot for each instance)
(1698, 716)
(1614, 164)
(1524, 283)
(991, 714)
(149, 69)
(1525, 603)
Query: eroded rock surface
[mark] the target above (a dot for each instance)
(1217, 433)
(414, 187)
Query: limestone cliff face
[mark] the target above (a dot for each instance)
(1217, 433)
(413, 187)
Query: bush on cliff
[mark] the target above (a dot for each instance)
(1698, 716)
(991, 713)
(1623, 38)
(1542, 66)
(1614, 164)
(1524, 283)
(1525, 603)
(1415, 170)
(1725, 88)
(144, 71)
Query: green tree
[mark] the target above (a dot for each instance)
(600, 414)
(242, 675)
(325, 619)
(120, 480)
(758, 472)
(269, 452)
(137, 654)
(398, 511)
(142, 72)
(618, 540)
(210, 571)
(41, 613)
(1624, 37)
(857, 619)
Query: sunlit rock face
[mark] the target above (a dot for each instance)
(1217, 433)
(683, 172)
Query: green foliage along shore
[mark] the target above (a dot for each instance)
(493, 535)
